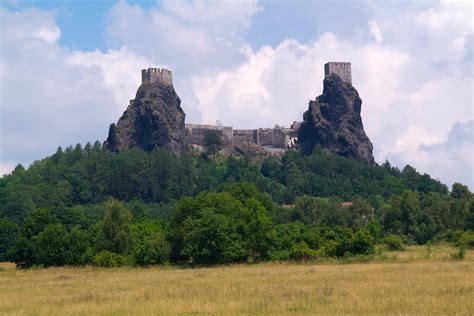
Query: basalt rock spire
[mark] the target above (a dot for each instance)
(333, 120)
(153, 119)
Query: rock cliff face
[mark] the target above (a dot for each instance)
(153, 119)
(333, 121)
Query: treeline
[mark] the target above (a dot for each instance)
(239, 224)
(89, 206)
(90, 175)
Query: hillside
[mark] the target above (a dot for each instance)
(156, 192)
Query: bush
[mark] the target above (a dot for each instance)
(466, 240)
(108, 259)
(460, 254)
(393, 242)
(152, 250)
(302, 252)
(280, 255)
(362, 243)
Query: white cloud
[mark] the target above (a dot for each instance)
(50, 35)
(187, 36)
(51, 95)
(375, 31)
(7, 167)
(449, 159)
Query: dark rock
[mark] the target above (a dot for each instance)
(153, 119)
(333, 121)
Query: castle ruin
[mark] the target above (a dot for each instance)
(157, 75)
(274, 140)
(342, 69)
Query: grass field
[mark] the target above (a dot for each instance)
(414, 282)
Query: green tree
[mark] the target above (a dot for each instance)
(9, 232)
(459, 191)
(211, 238)
(51, 245)
(150, 246)
(115, 234)
(212, 142)
(36, 221)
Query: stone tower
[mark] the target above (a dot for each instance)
(341, 69)
(157, 75)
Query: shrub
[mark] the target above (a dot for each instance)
(393, 242)
(152, 250)
(108, 259)
(280, 255)
(302, 252)
(466, 240)
(460, 254)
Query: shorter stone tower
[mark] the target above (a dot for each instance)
(341, 69)
(157, 75)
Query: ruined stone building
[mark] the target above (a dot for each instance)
(155, 119)
(342, 69)
(272, 140)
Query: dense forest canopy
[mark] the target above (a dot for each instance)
(87, 205)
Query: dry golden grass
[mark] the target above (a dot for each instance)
(413, 282)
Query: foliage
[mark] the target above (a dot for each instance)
(393, 242)
(466, 240)
(109, 259)
(9, 232)
(115, 228)
(212, 142)
(151, 246)
(460, 254)
(302, 252)
(86, 205)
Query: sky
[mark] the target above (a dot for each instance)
(69, 68)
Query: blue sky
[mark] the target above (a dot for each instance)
(246, 63)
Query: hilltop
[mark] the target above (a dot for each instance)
(155, 119)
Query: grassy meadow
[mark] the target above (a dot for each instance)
(418, 281)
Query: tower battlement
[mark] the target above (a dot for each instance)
(157, 75)
(342, 69)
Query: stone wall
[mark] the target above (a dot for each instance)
(197, 133)
(342, 69)
(271, 140)
(157, 75)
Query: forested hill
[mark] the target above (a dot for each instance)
(90, 175)
(90, 206)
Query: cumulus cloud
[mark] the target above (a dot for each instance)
(274, 85)
(53, 96)
(375, 32)
(449, 159)
(187, 36)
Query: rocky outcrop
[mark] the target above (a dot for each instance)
(153, 119)
(333, 121)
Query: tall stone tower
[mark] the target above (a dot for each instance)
(342, 69)
(157, 75)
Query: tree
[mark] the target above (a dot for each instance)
(115, 234)
(151, 246)
(36, 221)
(51, 245)
(212, 142)
(459, 191)
(211, 238)
(9, 231)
